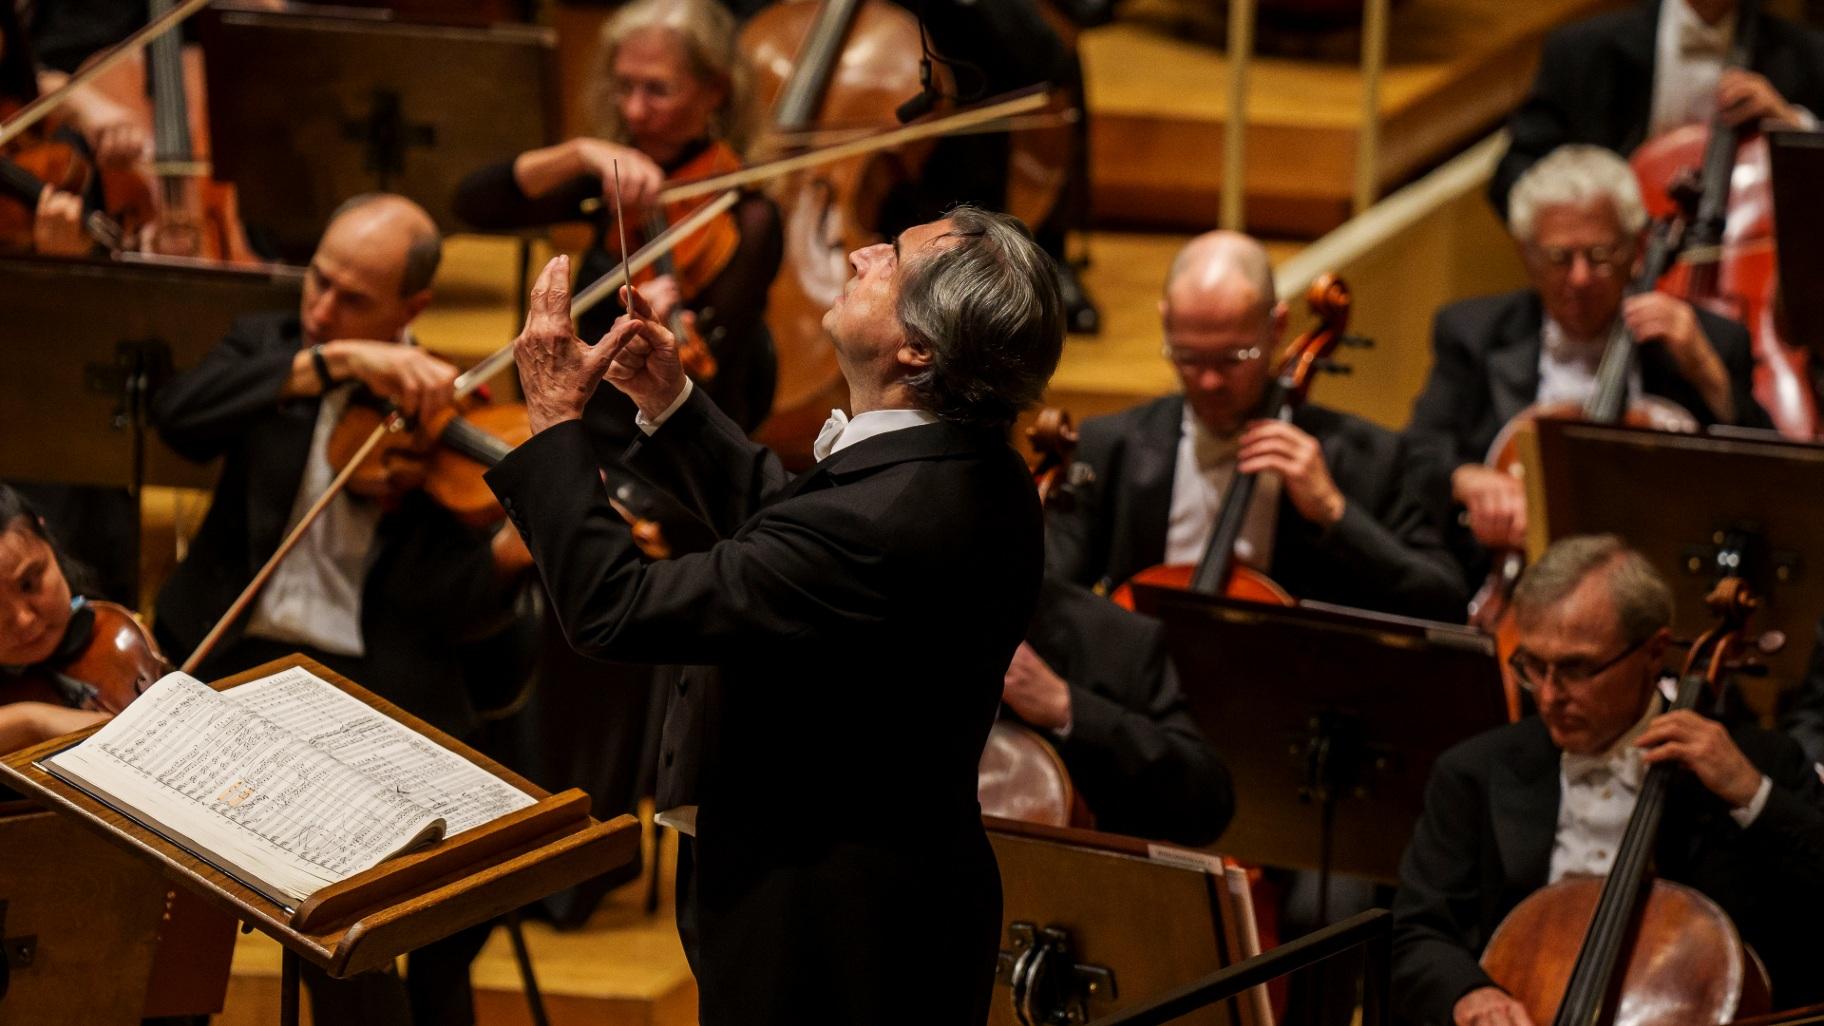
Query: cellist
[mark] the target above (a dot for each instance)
(1513, 809)
(1345, 516)
(1578, 221)
(1620, 78)
(669, 102)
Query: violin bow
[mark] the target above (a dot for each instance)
(1016, 104)
(464, 386)
(38, 109)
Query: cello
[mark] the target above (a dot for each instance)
(1218, 572)
(1730, 262)
(1624, 949)
(826, 64)
(1021, 776)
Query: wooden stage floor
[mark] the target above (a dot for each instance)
(1159, 107)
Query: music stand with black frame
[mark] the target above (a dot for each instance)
(1329, 720)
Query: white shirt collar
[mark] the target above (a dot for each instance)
(842, 430)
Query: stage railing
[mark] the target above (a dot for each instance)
(1371, 931)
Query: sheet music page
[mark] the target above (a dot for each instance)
(234, 785)
(381, 748)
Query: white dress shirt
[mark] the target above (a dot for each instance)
(1688, 59)
(314, 597)
(1567, 366)
(1201, 477)
(1597, 794)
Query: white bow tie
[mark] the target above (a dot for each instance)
(1696, 39)
(828, 435)
(1624, 765)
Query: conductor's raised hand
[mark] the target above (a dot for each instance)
(557, 371)
(644, 362)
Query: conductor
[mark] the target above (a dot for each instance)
(849, 631)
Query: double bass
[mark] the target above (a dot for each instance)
(1729, 264)
(1626, 949)
(1218, 572)
(822, 64)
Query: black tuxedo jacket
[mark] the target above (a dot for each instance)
(1386, 554)
(1485, 369)
(1133, 751)
(1484, 842)
(1595, 85)
(431, 584)
(1805, 720)
(862, 618)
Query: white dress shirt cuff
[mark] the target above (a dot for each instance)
(1746, 815)
(649, 426)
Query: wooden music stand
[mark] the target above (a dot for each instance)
(1105, 922)
(78, 918)
(1329, 720)
(1747, 504)
(366, 104)
(86, 343)
(373, 917)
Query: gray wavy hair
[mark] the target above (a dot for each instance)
(1576, 174)
(988, 309)
(1643, 602)
(708, 32)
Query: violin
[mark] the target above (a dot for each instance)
(25, 174)
(819, 65)
(1218, 572)
(106, 660)
(1729, 264)
(698, 258)
(1021, 776)
(1626, 950)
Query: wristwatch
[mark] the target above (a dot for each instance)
(321, 363)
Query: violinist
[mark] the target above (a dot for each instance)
(1344, 516)
(1523, 805)
(669, 99)
(1097, 681)
(384, 589)
(1618, 79)
(37, 603)
(1577, 219)
(53, 218)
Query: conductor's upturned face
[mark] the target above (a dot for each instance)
(863, 323)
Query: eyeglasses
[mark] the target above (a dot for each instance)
(1217, 359)
(1531, 672)
(1604, 261)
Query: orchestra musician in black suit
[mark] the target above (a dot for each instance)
(1805, 719)
(1517, 807)
(386, 593)
(1577, 218)
(1618, 79)
(1098, 682)
(1349, 512)
(860, 619)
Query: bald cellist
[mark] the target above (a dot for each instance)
(1531, 803)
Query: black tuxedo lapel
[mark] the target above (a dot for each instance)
(1146, 488)
(1636, 48)
(1523, 804)
(1513, 367)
